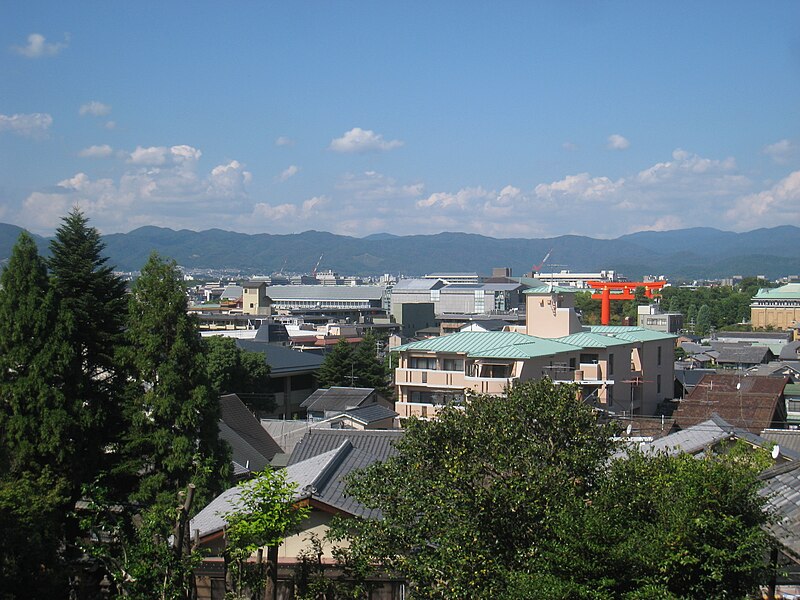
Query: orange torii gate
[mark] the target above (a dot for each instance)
(622, 290)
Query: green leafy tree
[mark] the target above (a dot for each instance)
(172, 436)
(31, 516)
(85, 342)
(338, 368)
(470, 496)
(232, 370)
(520, 497)
(704, 320)
(264, 515)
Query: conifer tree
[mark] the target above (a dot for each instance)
(338, 368)
(34, 427)
(33, 422)
(369, 369)
(173, 422)
(85, 341)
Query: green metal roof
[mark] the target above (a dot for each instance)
(632, 334)
(588, 339)
(792, 389)
(552, 289)
(788, 291)
(491, 344)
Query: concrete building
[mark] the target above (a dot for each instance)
(623, 369)
(255, 300)
(457, 298)
(576, 280)
(451, 278)
(650, 316)
(778, 308)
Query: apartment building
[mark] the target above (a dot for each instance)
(622, 369)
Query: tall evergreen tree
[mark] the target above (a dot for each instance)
(338, 368)
(369, 369)
(91, 303)
(173, 422)
(33, 421)
(34, 432)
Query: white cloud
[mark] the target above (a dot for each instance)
(362, 140)
(314, 203)
(110, 124)
(776, 206)
(569, 146)
(228, 181)
(372, 186)
(156, 188)
(582, 186)
(33, 125)
(288, 173)
(284, 141)
(96, 151)
(154, 155)
(95, 109)
(38, 46)
(617, 142)
(780, 151)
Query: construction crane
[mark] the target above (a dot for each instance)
(537, 268)
(314, 271)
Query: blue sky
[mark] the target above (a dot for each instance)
(508, 119)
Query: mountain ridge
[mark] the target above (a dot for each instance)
(700, 252)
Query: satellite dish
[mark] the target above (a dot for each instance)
(739, 385)
(776, 451)
(628, 429)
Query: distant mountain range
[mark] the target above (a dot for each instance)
(700, 252)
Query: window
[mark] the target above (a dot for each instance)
(610, 395)
(572, 363)
(453, 364)
(658, 382)
(417, 362)
(659, 356)
(610, 364)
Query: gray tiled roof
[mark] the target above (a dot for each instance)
(782, 488)
(283, 360)
(367, 447)
(246, 459)
(734, 353)
(337, 398)
(239, 418)
(695, 439)
(318, 468)
(378, 443)
(790, 351)
(211, 518)
(371, 413)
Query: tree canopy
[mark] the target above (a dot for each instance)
(522, 497)
(346, 366)
(172, 435)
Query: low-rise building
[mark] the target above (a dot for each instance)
(776, 308)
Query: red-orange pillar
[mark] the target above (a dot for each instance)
(605, 307)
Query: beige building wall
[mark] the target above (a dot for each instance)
(255, 300)
(657, 360)
(777, 317)
(551, 315)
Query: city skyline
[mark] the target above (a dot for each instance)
(507, 120)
